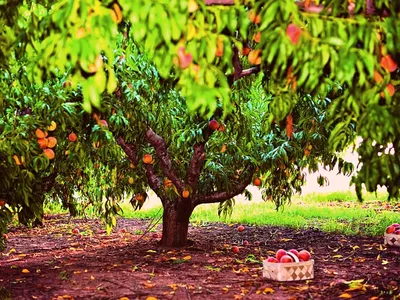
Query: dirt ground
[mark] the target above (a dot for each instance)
(54, 263)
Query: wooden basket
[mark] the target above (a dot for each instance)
(288, 271)
(392, 239)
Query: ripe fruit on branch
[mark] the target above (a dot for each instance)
(148, 159)
(213, 124)
(389, 89)
(131, 165)
(235, 249)
(293, 33)
(388, 63)
(185, 194)
(49, 153)
(254, 57)
(240, 228)
(184, 59)
(2, 202)
(257, 181)
(139, 197)
(103, 123)
(254, 17)
(16, 159)
(40, 134)
(220, 47)
(43, 142)
(304, 255)
(131, 180)
(52, 126)
(72, 137)
(257, 37)
(168, 183)
(246, 50)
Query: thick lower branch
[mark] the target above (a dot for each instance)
(165, 159)
(129, 150)
(155, 182)
(218, 197)
(196, 164)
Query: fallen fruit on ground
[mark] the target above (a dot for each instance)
(304, 255)
(245, 243)
(240, 228)
(75, 231)
(235, 249)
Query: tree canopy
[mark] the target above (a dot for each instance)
(215, 93)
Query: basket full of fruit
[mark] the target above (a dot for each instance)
(392, 235)
(289, 266)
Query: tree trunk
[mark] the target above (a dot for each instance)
(176, 223)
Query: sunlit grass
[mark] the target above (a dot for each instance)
(338, 212)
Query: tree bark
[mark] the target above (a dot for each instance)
(176, 223)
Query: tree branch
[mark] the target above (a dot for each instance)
(165, 159)
(218, 197)
(236, 64)
(250, 71)
(196, 164)
(129, 150)
(155, 182)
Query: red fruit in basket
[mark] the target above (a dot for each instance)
(397, 232)
(304, 255)
(396, 225)
(390, 229)
(272, 260)
(286, 259)
(280, 253)
(295, 252)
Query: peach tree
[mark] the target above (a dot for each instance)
(289, 80)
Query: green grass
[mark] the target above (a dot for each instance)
(338, 212)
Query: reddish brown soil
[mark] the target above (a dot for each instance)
(53, 263)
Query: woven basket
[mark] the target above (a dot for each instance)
(392, 239)
(288, 271)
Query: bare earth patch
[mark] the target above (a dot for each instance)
(53, 263)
